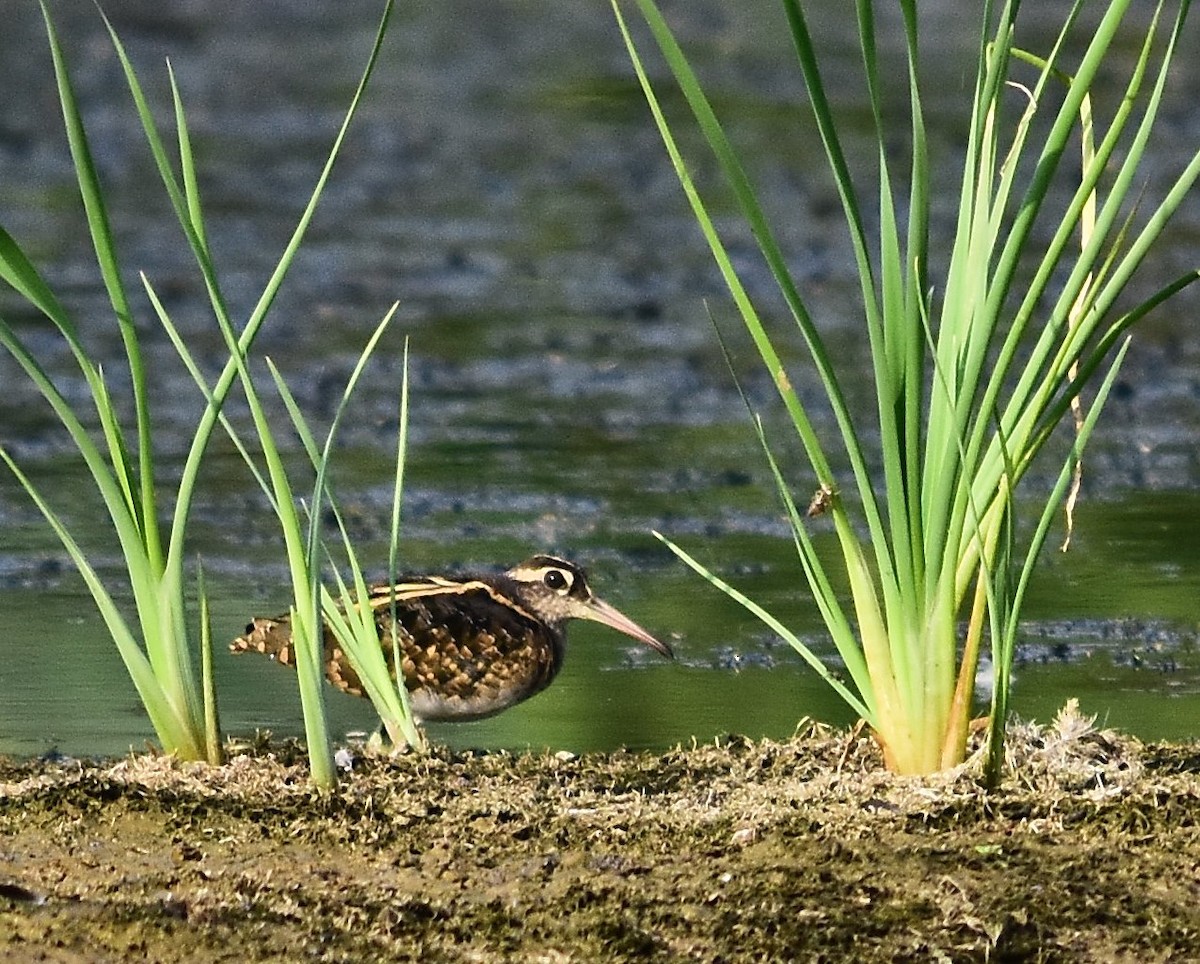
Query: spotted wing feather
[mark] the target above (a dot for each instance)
(468, 650)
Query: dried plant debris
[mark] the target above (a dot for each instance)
(740, 850)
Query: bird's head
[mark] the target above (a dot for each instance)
(555, 590)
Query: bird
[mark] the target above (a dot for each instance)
(471, 645)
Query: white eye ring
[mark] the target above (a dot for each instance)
(556, 579)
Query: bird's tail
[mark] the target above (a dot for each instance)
(271, 637)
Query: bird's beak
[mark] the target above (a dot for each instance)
(602, 612)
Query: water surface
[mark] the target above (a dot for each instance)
(505, 184)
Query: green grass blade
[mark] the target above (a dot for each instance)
(744, 193)
(1054, 146)
(1004, 640)
(144, 505)
(305, 612)
(173, 729)
(741, 298)
(827, 127)
(776, 626)
(410, 730)
(832, 612)
(304, 551)
(347, 394)
(189, 362)
(824, 595)
(352, 622)
(18, 271)
(1062, 238)
(212, 719)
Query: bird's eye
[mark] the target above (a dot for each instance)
(555, 579)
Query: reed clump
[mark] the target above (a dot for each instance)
(972, 373)
(166, 647)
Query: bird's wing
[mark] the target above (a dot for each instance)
(473, 592)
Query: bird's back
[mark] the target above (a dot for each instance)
(468, 647)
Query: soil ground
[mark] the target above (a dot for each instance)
(741, 851)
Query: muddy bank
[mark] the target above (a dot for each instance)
(739, 851)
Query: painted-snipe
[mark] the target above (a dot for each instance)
(471, 645)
